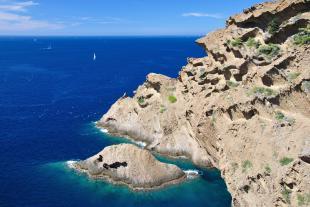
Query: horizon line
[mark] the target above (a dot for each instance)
(53, 35)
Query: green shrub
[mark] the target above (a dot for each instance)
(269, 51)
(162, 109)
(263, 91)
(236, 42)
(273, 26)
(172, 99)
(303, 199)
(306, 86)
(252, 43)
(292, 76)
(232, 84)
(268, 169)
(279, 116)
(247, 164)
(286, 194)
(286, 161)
(303, 37)
(141, 100)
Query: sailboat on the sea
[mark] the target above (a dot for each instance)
(48, 48)
(94, 57)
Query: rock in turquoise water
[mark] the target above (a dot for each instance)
(130, 165)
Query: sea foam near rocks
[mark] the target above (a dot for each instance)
(191, 174)
(71, 163)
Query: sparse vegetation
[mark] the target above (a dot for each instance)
(286, 194)
(306, 86)
(247, 164)
(172, 99)
(303, 37)
(252, 43)
(141, 100)
(232, 84)
(162, 109)
(279, 116)
(236, 42)
(286, 160)
(303, 199)
(263, 91)
(292, 76)
(269, 50)
(273, 26)
(268, 169)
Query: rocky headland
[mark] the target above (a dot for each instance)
(244, 109)
(130, 165)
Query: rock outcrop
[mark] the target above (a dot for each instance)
(128, 164)
(244, 108)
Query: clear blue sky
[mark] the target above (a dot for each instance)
(116, 17)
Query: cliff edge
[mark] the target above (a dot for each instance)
(244, 108)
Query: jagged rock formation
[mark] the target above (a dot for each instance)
(244, 108)
(130, 165)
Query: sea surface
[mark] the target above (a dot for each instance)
(52, 92)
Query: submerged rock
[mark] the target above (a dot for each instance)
(130, 165)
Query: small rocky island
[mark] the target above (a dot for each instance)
(130, 165)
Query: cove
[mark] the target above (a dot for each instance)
(208, 189)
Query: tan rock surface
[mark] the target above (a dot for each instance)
(130, 165)
(237, 109)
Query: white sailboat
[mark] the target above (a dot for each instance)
(94, 56)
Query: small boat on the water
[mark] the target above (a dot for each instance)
(48, 48)
(94, 57)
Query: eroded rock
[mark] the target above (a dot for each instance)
(130, 165)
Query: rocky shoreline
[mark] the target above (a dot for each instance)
(243, 109)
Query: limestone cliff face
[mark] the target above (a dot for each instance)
(244, 108)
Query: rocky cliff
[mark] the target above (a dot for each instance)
(244, 108)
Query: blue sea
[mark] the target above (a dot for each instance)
(52, 92)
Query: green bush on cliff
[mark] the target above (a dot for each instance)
(268, 169)
(303, 37)
(263, 91)
(279, 116)
(306, 86)
(252, 43)
(286, 160)
(292, 76)
(247, 164)
(172, 99)
(286, 194)
(273, 26)
(141, 100)
(232, 84)
(269, 51)
(162, 109)
(235, 42)
(303, 199)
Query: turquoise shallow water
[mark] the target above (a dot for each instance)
(48, 102)
(206, 190)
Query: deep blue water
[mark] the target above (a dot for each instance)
(48, 102)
